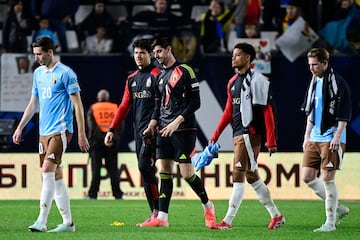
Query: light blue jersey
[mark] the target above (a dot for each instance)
(52, 87)
(315, 135)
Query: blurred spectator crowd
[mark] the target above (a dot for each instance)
(195, 26)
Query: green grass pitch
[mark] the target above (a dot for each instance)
(93, 221)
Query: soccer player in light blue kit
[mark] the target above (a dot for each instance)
(328, 109)
(57, 93)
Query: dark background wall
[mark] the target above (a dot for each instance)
(289, 82)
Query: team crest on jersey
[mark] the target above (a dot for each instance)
(54, 80)
(233, 88)
(148, 82)
(161, 81)
(133, 84)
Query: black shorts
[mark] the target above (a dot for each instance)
(179, 147)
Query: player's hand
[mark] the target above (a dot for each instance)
(108, 140)
(169, 129)
(272, 150)
(17, 136)
(83, 143)
(334, 144)
(172, 127)
(150, 130)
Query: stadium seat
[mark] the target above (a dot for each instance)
(231, 40)
(7, 127)
(176, 9)
(117, 11)
(3, 11)
(82, 12)
(141, 7)
(29, 41)
(72, 41)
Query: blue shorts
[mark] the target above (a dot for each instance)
(179, 147)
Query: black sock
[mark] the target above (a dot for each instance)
(198, 187)
(166, 188)
(152, 195)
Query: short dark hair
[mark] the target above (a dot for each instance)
(296, 3)
(143, 44)
(162, 42)
(45, 43)
(98, 1)
(320, 53)
(12, 3)
(248, 49)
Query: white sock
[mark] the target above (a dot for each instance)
(163, 215)
(264, 196)
(47, 195)
(235, 200)
(331, 202)
(342, 207)
(63, 201)
(318, 186)
(207, 205)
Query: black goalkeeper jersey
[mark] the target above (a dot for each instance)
(177, 93)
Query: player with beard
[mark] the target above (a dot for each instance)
(177, 100)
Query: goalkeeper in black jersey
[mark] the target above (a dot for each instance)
(176, 100)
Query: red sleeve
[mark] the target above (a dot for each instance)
(270, 126)
(226, 117)
(123, 109)
(155, 71)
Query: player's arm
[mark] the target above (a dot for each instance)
(309, 126)
(90, 121)
(335, 142)
(29, 112)
(269, 119)
(156, 113)
(154, 117)
(123, 109)
(80, 121)
(344, 112)
(150, 130)
(121, 113)
(193, 91)
(172, 127)
(193, 101)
